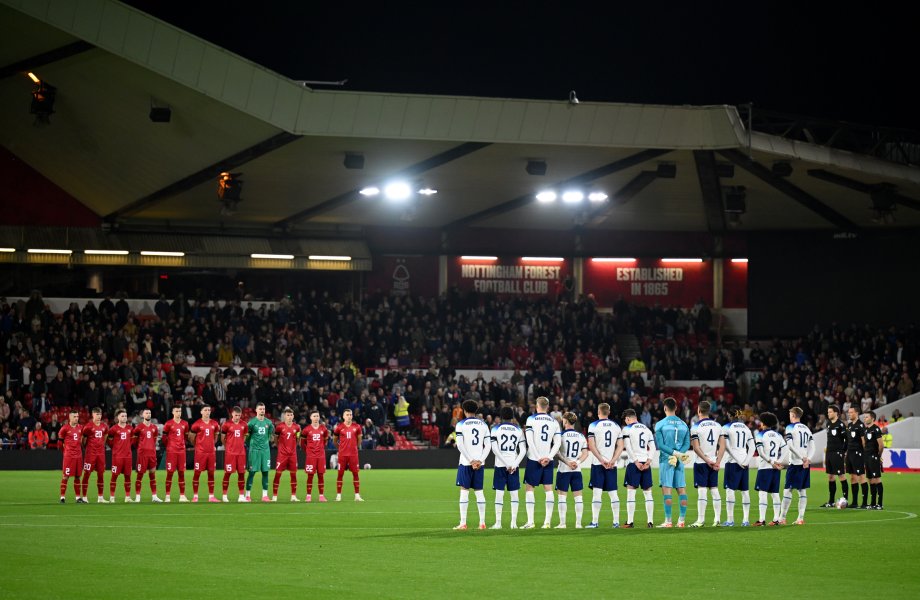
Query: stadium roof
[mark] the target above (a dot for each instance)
(665, 168)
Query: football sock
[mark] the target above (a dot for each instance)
(787, 502)
(831, 491)
(865, 492)
(614, 505)
(701, 503)
(293, 483)
(667, 507)
(249, 480)
(649, 504)
(881, 490)
(746, 505)
(730, 505)
(683, 505)
(276, 482)
(529, 501)
(716, 504)
(563, 507)
(550, 500)
(777, 506)
(464, 504)
(514, 506)
(803, 502)
(579, 510)
(596, 503)
(499, 505)
(480, 505)
(630, 504)
(844, 489)
(762, 506)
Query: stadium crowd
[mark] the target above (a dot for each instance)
(396, 357)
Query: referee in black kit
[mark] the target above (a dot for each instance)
(834, 455)
(874, 447)
(856, 462)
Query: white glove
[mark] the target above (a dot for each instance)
(672, 460)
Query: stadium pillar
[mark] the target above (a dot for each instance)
(578, 273)
(442, 274)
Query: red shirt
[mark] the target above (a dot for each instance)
(348, 438)
(70, 436)
(204, 435)
(287, 438)
(174, 434)
(95, 438)
(120, 440)
(146, 436)
(235, 434)
(314, 440)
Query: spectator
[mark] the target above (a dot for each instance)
(38, 438)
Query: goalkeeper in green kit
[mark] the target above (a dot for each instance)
(260, 431)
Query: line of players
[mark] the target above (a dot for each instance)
(246, 448)
(707, 445)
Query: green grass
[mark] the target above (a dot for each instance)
(399, 544)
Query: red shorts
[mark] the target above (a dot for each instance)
(348, 463)
(206, 462)
(94, 463)
(315, 464)
(235, 464)
(121, 465)
(286, 463)
(146, 462)
(71, 466)
(175, 461)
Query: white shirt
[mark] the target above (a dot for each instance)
(638, 442)
(508, 445)
(473, 440)
(798, 442)
(573, 444)
(739, 443)
(543, 436)
(707, 432)
(605, 434)
(769, 448)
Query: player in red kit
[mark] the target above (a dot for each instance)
(314, 438)
(232, 436)
(119, 438)
(174, 432)
(94, 434)
(286, 435)
(204, 432)
(71, 435)
(348, 438)
(145, 436)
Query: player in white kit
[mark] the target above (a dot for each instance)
(474, 443)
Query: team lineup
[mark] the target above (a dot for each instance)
(707, 445)
(246, 451)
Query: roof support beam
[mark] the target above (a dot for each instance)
(209, 173)
(867, 188)
(45, 58)
(582, 179)
(711, 189)
(795, 193)
(411, 171)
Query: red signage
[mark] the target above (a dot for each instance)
(648, 281)
(530, 277)
(404, 275)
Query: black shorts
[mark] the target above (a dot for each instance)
(833, 463)
(856, 464)
(873, 467)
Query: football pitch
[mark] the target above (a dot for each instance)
(399, 544)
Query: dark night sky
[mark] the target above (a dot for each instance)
(809, 58)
